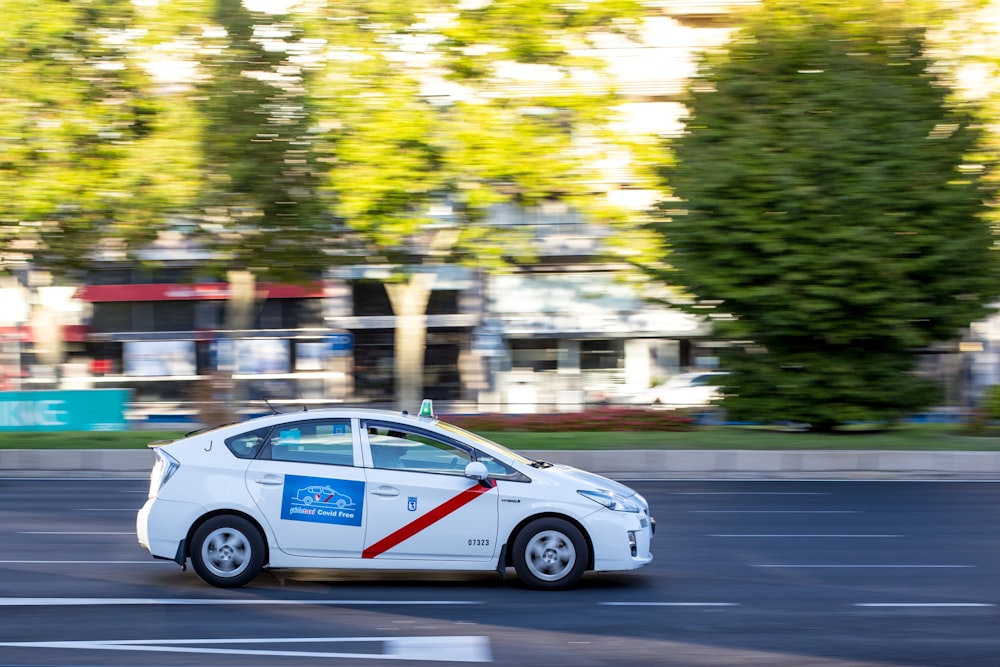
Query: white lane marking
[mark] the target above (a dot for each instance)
(27, 478)
(71, 602)
(442, 649)
(775, 511)
(73, 532)
(750, 493)
(795, 480)
(105, 509)
(931, 605)
(84, 562)
(824, 535)
(670, 604)
(889, 566)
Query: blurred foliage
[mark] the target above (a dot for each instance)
(984, 421)
(827, 208)
(78, 123)
(991, 404)
(282, 143)
(257, 205)
(432, 118)
(428, 129)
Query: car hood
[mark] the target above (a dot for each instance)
(589, 480)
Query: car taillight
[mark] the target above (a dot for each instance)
(163, 469)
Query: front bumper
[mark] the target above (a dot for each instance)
(621, 540)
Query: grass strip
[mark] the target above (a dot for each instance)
(915, 437)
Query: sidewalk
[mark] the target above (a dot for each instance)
(617, 464)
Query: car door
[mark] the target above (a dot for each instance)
(420, 503)
(309, 490)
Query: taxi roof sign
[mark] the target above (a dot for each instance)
(427, 408)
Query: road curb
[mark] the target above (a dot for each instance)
(618, 464)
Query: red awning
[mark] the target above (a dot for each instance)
(190, 292)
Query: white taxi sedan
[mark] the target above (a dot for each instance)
(378, 490)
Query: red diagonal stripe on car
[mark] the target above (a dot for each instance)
(425, 520)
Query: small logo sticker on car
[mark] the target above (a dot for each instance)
(411, 503)
(322, 500)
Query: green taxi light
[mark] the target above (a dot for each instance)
(427, 408)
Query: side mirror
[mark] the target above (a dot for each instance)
(477, 471)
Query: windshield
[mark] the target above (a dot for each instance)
(486, 444)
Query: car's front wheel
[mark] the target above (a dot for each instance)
(227, 551)
(551, 554)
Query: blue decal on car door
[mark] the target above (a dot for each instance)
(322, 500)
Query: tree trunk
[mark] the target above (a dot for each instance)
(47, 332)
(409, 304)
(239, 317)
(242, 298)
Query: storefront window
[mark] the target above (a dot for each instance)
(608, 354)
(536, 355)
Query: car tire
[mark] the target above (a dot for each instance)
(227, 551)
(550, 554)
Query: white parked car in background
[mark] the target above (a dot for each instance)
(372, 489)
(687, 390)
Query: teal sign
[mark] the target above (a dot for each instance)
(71, 410)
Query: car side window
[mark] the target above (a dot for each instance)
(394, 447)
(498, 469)
(327, 442)
(246, 445)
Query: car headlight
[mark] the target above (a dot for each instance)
(641, 502)
(611, 500)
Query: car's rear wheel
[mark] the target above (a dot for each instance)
(227, 551)
(550, 554)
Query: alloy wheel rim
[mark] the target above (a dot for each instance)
(226, 552)
(550, 555)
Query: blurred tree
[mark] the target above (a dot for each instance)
(436, 117)
(121, 120)
(258, 211)
(364, 130)
(78, 123)
(827, 206)
(259, 195)
(257, 207)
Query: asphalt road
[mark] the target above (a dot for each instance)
(746, 573)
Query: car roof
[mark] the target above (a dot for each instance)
(328, 413)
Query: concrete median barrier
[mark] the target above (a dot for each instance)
(780, 464)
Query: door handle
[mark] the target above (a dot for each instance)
(388, 491)
(269, 479)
